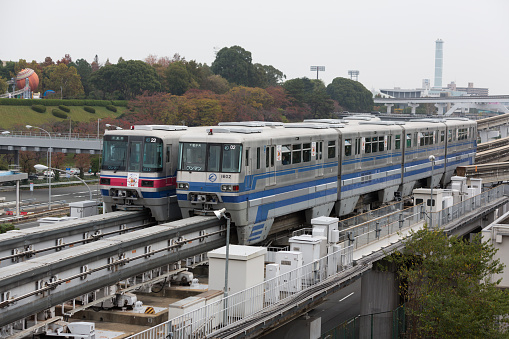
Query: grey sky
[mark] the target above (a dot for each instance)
(391, 43)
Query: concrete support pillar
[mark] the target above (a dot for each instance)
(16, 157)
(504, 131)
(441, 108)
(379, 297)
(414, 107)
(389, 108)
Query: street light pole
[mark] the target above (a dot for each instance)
(43, 168)
(49, 165)
(432, 160)
(220, 214)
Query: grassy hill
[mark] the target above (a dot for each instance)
(22, 115)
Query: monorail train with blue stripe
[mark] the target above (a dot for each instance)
(262, 173)
(138, 169)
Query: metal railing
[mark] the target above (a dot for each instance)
(285, 287)
(54, 135)
(226, 311)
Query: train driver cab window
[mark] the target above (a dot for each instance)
(348, 147)
(409, 140)
(286, 154)
(192, 157)
(397, 141)
(134, 156)
(214, 157)
(231, 158)
(114, 152)
(296, 154)
(152, 155)
(331, 150)
(306, 152)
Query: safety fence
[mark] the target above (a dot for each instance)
(226, 311)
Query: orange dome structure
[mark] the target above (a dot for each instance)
(33, 79)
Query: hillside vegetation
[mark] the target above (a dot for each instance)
(12, 116)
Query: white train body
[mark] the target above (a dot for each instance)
(259, 173)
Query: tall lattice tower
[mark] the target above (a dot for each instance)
(439, 62)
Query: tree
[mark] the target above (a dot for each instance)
(351, 95)
(129, 78)
(64, 78)
(84, 69)
(27, 161)
(233, 64)
(447, 286)
(82, 162)
(215, 83)
(95, 64)
(179, 79)
(3, 85)
(310, 94)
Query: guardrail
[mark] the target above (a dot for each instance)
(54, 135)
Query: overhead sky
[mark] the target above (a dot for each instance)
(391, 43)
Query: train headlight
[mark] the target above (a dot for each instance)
(230, 188)
(183, 186)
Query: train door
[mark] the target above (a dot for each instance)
(319, 158)
(270, 164)
(248, 178)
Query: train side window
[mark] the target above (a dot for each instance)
(374, 144)
(331, 150)
(296, 153)
(267, 156)
(422, 139)
(367, 148)
(348, 147)
(306, 152)
(258, 158)
(442, 136)
(449, 135)
(272, 156)
(357, 146)
(286, 154)
(247, 157)
(381, 144)
(389, 142)
(397, 141)
(409, 140)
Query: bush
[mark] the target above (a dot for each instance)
(59, 114)
(64, 108)
(89, 109)
(119, 103)
(39, 108)
(111, 108)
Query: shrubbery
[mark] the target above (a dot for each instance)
(111, 108)
(39, 108)
(89, 109)
(58, 102)
(59, 114)
(64, 108)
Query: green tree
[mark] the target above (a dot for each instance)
(351, 95)
(216, 84)
(178, 78)
(63, 78)
(7, 71)
(129, 78)
(234, 64)
(310, 94)
(84, 69)
(447, 286)
(7, 227)
(3, 85)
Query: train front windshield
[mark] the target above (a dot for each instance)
(134, 154)
(203, 157)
